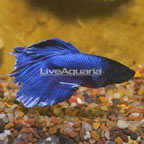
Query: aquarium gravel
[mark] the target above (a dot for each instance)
(110, 115)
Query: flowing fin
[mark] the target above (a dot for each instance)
(38, 90)
(41, 50)
(56, 44)
(44, 91)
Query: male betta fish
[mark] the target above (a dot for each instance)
(36, 89)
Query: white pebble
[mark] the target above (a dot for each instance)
(116, 95)
(87, 135)
(135, 114)
(49, 139)
(122, 124)
(70, 124)
(79, 100)
(3, 136)
(20, 135)
(73, 104)
(2, 116)
(7, 132)
(107, 135)
(86, 126)
(6, 93)
(139, 139)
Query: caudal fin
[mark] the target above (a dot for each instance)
(35, 89)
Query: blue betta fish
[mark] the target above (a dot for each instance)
(42, 81)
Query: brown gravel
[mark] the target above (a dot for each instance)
(111, 115)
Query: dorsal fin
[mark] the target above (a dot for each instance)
(57, 43)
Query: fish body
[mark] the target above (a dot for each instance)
(50, 71)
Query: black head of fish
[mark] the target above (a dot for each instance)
(117, 72)
(112, 73)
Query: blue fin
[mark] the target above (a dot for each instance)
(38, 52)
(47, 91)
(41, 50)
(55, 44)
(38, 90)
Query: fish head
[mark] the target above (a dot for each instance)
(119, 73)
(116, 72)
(113, 72)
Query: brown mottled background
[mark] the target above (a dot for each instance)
(111, 28)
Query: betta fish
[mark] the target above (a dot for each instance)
(39, 67)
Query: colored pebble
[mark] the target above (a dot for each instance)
(112, 115)
(9, 125)
(52, 130)
(95, 135)
(86, 126)
(118, 140)
(122, 124)
(96, 125)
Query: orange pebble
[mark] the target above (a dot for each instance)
(118, 140)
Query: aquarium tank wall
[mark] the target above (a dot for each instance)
(92, 109)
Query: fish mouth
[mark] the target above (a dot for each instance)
(132, 74)
(127, 75)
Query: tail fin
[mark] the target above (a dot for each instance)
(37, 90)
